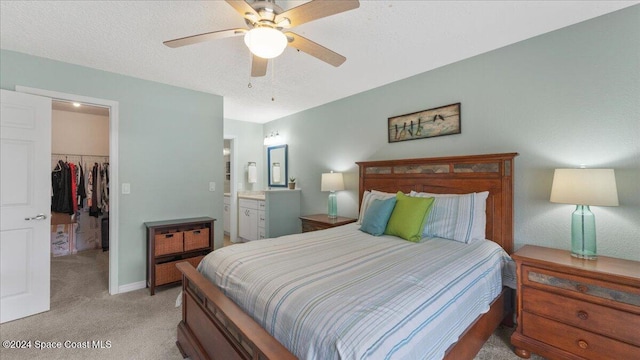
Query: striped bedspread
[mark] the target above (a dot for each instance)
(343, 294)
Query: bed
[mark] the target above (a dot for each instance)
(215, 327)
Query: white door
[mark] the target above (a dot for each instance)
(25, 197)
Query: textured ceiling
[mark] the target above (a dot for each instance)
(383, 41)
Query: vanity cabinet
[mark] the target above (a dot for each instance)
(272, 215)
(248, 218)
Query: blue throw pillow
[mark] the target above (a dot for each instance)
(377, 215)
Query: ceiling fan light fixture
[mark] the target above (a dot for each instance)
(265, 42)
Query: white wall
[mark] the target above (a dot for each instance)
(77, 133)
(562, 99)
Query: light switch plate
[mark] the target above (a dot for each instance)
(126, 188)
(212, 186)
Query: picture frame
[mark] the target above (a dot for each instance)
(440, 121)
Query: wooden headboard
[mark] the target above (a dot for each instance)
(452, 175)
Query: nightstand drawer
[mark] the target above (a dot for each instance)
(322, 221)
(306, 227)
(570, 308)
(590, 289)
(604, 320)
(576, 341)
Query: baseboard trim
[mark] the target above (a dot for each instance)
(132, 287)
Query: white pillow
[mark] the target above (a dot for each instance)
(367, 198)
(459, 217)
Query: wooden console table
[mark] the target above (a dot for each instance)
(173, 241)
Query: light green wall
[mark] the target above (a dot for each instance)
(561, 99)
(170, 146)
(250, 146)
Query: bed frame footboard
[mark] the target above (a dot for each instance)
(481, 329)
(213, 327)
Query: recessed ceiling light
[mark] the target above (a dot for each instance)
(76, 104)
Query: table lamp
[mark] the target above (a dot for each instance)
(584, 187)
(332, 182)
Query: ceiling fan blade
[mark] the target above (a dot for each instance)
(258, 66)
(243, 8)
(194, 39)
(314, 49)
(314, 10)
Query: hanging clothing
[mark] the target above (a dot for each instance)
(74, 188)
(89, 187)
(94, 210)
(72, 183)
(61, 199)
(82, 193)
(56, 185)
(104, 191)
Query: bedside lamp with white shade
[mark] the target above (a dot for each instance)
(584, 188)
(332, 182)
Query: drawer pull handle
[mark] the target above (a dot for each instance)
(196, 232)
(582, 288)
(583, 315)
(583, 344)
(169, 236)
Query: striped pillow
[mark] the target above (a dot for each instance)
(457, 217)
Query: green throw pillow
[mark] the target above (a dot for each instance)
(408, 217)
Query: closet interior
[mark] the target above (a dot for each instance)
(79, 178)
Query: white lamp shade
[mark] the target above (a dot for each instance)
(265, 42)
(332, 182)
(595, 187)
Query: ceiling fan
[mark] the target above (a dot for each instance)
(266, 37)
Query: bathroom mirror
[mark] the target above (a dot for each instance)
(277, 165)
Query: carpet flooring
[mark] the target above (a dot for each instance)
(132, 325)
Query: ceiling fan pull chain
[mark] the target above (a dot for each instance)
(273, 77)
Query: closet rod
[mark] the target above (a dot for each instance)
(79, 155)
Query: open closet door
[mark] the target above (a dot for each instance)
(25, 151)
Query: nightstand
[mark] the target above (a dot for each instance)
(322, 221)
(570, 308)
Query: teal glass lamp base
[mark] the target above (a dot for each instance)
(583, 233)
(333, 205)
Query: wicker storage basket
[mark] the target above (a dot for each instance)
(196, 239)
(169, 243)
(168, 272)
(194, 261)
